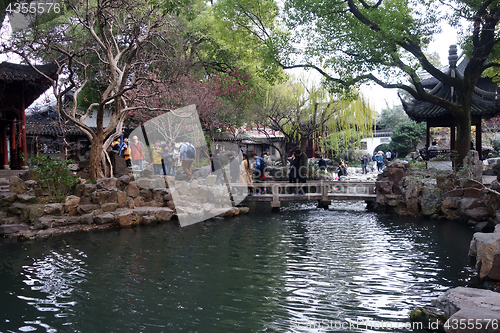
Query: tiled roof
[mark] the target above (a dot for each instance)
(484, 104)
(47, 124)
(17, 72)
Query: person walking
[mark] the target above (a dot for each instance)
(187, 154)
(156, 158)
(138, 153)
(364, 163)
(379, 159)
(168, 159)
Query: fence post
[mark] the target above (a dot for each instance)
(324, 202)
(276, 203)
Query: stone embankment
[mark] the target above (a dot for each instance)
(110, 202)
(404, 191)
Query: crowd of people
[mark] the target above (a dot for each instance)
(243, 167)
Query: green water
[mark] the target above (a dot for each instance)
(301, 270)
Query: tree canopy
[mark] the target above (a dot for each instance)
(355, 41)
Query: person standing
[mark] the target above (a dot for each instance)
(260, 167)
(216, 167)
(168, 159)
(234, 168)
(292, 176)
(187, 154)
(322, 164)
(245, 174)
(138, 153)
(364, 163)
(156, 158)
(379, 159)
(125, 152)
(302, 165)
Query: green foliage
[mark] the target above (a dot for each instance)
(406, 136)
(391, 117)
(53, 175)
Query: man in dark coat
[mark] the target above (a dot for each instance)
(302, 165)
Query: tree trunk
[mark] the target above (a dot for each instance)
(463, 138)
(303, 143)
(96, 144)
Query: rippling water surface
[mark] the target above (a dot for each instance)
(301, 270)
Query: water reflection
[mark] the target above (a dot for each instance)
(53, 279)
(287, 272)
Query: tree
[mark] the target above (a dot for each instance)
(391, 117)
(109, 43)
(406, 136)
(384, 41)
(304, 113)
(220, 101)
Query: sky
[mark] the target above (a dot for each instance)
(380, 98)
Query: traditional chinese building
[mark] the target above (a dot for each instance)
(485, 102)
(20, 86)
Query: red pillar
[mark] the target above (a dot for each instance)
(452, 135)
(24, 148)
(4, 146)
(428, 136)
(479, 141)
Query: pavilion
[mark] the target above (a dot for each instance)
(20, 86)
(485, 102)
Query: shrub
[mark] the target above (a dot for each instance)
(53, 175)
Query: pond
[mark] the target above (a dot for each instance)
(301, 270)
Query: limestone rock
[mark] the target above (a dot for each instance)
(17, 185)
(211, 180)
(109, 207)
(71, 203)
(25, 198)
(474, 165)
(122, 182)
(384, 187)
(469, 304)
(430, 201)
(85, 209)
(478, 214)
(54, 209)
(484, 252)
(17, 208)
(244, 210)
(88, 189)
(470, 203)
(146, 194)
(121, 199)
(36, 211)
(133, 190)
(104, 218)
(126, 218)
(100, 197)
(7, 198)
(106, 184)
(7, 229)
(159, 194)
(151, 183)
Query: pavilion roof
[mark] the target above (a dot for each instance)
(484, 103)
(21, 85)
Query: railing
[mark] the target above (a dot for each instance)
(322, 191)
